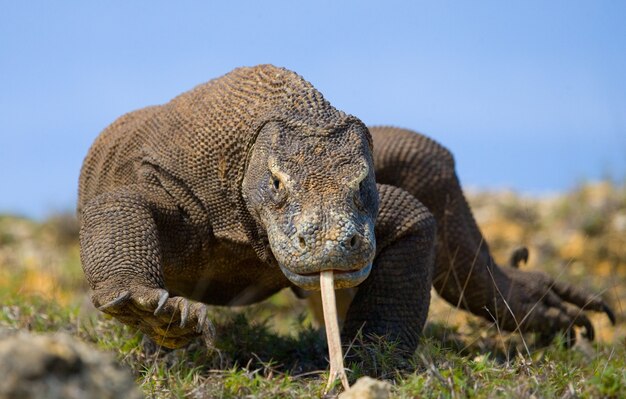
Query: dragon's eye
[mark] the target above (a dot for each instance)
(277, 191)
(276, 184)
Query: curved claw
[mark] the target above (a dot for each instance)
(163, 297)
(123, 297)
(184, 312)
(609, 312)
(202, 318)
(519, 255)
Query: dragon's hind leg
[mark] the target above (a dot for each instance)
(465, 272)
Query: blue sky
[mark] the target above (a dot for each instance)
(529, 95)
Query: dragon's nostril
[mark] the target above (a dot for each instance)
(354, 241)
(301, 242)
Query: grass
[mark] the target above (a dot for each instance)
(274, 350)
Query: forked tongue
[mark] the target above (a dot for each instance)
(327, 288)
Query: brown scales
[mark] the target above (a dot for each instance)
(174, 215)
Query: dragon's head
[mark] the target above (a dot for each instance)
(313, 191)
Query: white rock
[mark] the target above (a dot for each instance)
(367, 388)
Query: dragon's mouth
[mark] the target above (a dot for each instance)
(342, 278)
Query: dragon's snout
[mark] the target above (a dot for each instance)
(343, 239)
(322, 241)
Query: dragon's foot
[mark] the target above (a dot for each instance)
(534, 302)
(169, 321)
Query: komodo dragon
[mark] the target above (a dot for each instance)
(253, 182)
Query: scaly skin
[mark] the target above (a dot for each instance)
(253, 182)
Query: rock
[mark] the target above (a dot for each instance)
(59, 366)
(367, 388)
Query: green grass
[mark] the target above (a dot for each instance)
(272, 350)
(252, 360)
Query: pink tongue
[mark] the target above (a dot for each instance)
(327, 288)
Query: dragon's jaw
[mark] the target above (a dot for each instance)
(342, 279)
